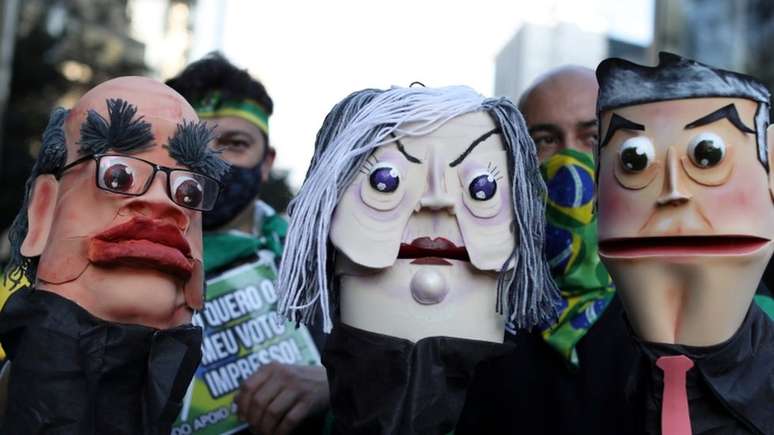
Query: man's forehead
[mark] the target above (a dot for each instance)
(233, 124)
(567, 98)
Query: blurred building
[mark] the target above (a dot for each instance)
(535, 49)
(165, 27)
(734, 35)
(210, 22)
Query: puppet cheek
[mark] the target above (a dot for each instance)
(194, 288)
(40, 215)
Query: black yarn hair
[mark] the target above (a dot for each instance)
(214, 73)
(121, 132)
(52, 157)
(623, 83)
(188, 146)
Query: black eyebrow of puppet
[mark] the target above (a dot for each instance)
(482, 138)
(728, 112)
(402, 150)
(620, 123)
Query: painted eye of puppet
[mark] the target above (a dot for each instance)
(188, 192)
(636, 154)
(118, 177)
(384, 177)
(706, 150)
(482, 187)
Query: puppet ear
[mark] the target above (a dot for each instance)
(40, 215)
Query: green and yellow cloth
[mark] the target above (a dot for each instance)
(215, 106)
(222, 249)
(571, 250)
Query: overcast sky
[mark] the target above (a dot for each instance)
(311, 54)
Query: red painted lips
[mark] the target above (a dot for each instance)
(432, 251)
(146, 243)
(681, 246)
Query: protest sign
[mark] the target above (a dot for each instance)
(242, 332)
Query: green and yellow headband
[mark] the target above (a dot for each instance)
(215, 106)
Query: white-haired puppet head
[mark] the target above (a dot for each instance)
(404, 183)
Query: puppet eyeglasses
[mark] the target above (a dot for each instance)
(132, 176)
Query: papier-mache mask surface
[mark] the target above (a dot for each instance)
(686, 218)
(112, 218)
(422, 213)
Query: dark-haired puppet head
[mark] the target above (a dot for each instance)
(686, 219)
(430, 205)
(112, 217)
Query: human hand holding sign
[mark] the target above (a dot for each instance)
(278, 397)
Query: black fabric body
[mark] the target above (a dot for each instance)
(74, 374)
(386, 385)
(533, 390)
(731, 386)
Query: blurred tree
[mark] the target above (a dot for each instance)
(62, 48)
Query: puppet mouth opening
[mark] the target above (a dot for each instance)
(681, 246)
(145, 243)
(425, 250)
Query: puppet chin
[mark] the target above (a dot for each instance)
(140, 254)
(695, 300)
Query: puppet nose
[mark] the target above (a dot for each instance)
(673, 192)
(436, 197)
(156, 204)
(436, 201)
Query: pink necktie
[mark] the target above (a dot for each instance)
(674, 404)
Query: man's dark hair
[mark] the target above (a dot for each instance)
(214, 73)
(623, 83)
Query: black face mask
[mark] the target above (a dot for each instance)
(240, 187)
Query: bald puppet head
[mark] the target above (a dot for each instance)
(112, 219)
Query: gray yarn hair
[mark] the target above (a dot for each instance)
(371, 118)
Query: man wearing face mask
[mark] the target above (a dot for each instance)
(559, 110)
(278, 397)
